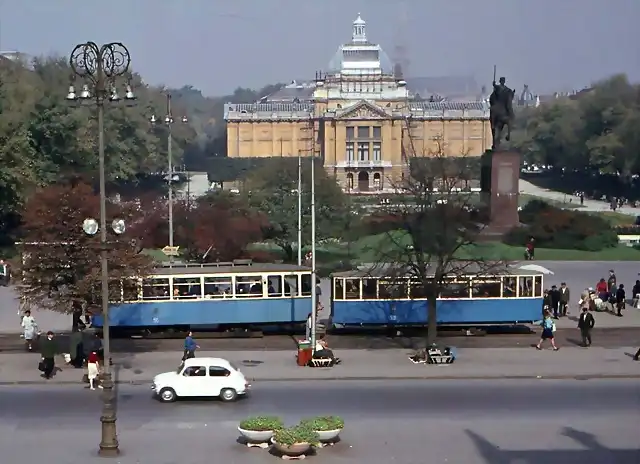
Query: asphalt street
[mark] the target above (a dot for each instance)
(475, 422)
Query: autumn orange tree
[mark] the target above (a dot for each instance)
(215, 227)
(60, 269)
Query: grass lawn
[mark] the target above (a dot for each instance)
(616, 219)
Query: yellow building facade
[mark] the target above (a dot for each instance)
(360, 119)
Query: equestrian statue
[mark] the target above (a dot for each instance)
(501, 111)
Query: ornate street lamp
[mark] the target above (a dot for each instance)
(168, 121)
(99, 67)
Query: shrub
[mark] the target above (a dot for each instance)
(262, 423)
(301, 433)
(324, 423)
(562, 229)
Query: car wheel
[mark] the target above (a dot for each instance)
(167, 395)
(228, 394)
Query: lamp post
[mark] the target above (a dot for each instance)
(168, 120)
(314, 292)
(299, 208)
(99, 67)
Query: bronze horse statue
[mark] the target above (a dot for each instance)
(501, 113)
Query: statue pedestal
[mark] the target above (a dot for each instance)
(499, 176)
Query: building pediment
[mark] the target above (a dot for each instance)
(362, 110)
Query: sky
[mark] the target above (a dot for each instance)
(218, 45)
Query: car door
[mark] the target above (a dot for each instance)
(218, 379)
(193, 381)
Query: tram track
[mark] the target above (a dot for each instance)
(602, 337)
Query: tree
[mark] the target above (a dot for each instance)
(438, 229)
(217, 225)
(61, 266)
(272, 190)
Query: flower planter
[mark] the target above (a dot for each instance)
(297, 449)
(256, 438)
(327, 437)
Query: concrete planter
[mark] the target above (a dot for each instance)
(256, 436)
(328, 436)
(297, 449)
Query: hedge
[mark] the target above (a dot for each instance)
(558, 228)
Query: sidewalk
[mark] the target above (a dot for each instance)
(528, 188)
(487, 363)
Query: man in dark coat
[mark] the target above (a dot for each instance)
(565, 299)
(585, 324)
(554, 294)
(48, 350)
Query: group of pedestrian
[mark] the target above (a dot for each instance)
(557, 300)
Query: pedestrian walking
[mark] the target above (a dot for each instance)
(93, 370)
(48, 352)
(585, 324)
(548, 330)
(565, 299)
(555, 300)
(621, 299)
(29, 329)
(190, 347)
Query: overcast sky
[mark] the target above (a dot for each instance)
(217, 45)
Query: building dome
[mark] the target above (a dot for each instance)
(360, 56)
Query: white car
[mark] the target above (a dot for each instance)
(201, 377)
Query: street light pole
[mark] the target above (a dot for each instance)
(299, 209)
(314, 296)
(168, 120)
(100, 67)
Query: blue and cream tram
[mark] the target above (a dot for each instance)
(213, 297)
(360, 299)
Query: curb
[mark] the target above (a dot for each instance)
(369, 379)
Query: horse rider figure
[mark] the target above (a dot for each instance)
(501, 103)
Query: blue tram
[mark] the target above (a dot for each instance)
(212, 297)
(360, 300)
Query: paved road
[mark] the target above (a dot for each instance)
(475, 422)
(606, 338)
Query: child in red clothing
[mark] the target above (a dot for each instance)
(93, 369)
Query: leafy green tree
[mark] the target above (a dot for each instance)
(272, 190)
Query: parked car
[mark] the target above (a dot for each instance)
(201, 377)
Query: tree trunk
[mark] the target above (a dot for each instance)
(288, 252)
(432, 321)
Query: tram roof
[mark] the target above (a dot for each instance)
(228, 269)
(461, 268)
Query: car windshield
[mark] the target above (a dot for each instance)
(234, 367)
(180, 367)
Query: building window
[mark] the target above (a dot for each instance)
(377, 181)
(363, 151)
(363, 132)
(377, 151)
(350, 133)
(377, 133)
(350, 151)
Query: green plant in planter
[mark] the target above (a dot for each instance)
(262, 423)
(300, 433)
(324, 423)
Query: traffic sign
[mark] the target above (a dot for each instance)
(171, 251)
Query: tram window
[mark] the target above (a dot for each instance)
(290, 285)
(248, 286)
(352, 289)
(537, 286)
(338, 289)
(130, 290)
(393, 289)
(420, 290)
(186, 288)
(526, 286)
(218, 287)
(274, 285)
(155, 289)
(509, 287)
(369, 289)
(305, 284)
(453, 289)
(485, 288)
